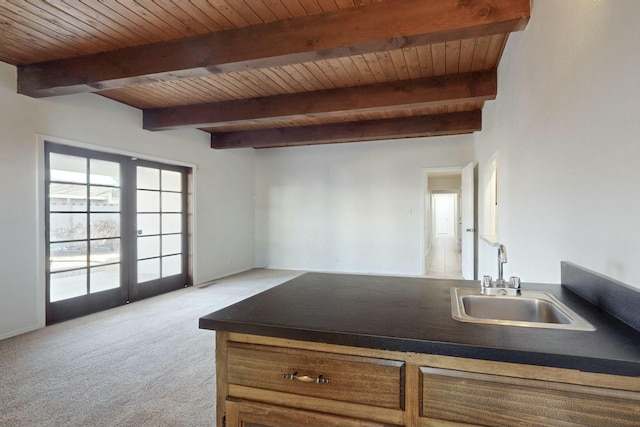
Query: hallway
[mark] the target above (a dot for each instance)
(444, 258)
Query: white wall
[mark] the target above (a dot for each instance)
(224, 211)
(348, 207)
(440, 183)
(566, 125)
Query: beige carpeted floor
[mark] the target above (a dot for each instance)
(143, 364)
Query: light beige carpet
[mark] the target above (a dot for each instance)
(143, 364)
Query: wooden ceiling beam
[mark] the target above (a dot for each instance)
(387, 25)
(418, 93)
(370, 130)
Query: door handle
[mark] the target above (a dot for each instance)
(140, 232)
(471, 230)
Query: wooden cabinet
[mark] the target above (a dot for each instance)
(270, 381)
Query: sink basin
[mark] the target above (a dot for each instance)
(531, 309)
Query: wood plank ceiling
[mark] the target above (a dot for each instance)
(270, 73)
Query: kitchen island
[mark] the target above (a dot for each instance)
(338, 349)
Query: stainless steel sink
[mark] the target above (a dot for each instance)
(531, 309)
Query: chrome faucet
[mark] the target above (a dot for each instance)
(502, 259)
(501, 287)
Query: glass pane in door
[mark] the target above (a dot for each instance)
(171, 244)
(148, 224)
(171, 181)
(148, 201)
(171, 265)
(67, 197)
(105, 173)
(104, 278)
(68, 284)
(104, 199)
(105, 251)
(148, 247)
(148, 270)
(148, 178)
(65, 168)
(67, 256)
(171, 223)
(67, 226)
(171, 202)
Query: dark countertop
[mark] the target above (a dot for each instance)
(414, 315)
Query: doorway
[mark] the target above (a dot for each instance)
(116, 230)
(449, 222)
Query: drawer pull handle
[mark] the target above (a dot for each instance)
(306, 378)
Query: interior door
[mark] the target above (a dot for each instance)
(445, 214)
(468, 216)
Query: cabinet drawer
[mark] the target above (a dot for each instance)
(246, 413)
(355, 379)
(494, 400)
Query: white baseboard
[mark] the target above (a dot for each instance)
(10, 334)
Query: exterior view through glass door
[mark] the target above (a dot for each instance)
(116, 230)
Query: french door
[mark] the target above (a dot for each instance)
(160, 238)
(116, 230)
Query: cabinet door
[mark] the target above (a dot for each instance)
(242, 413)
